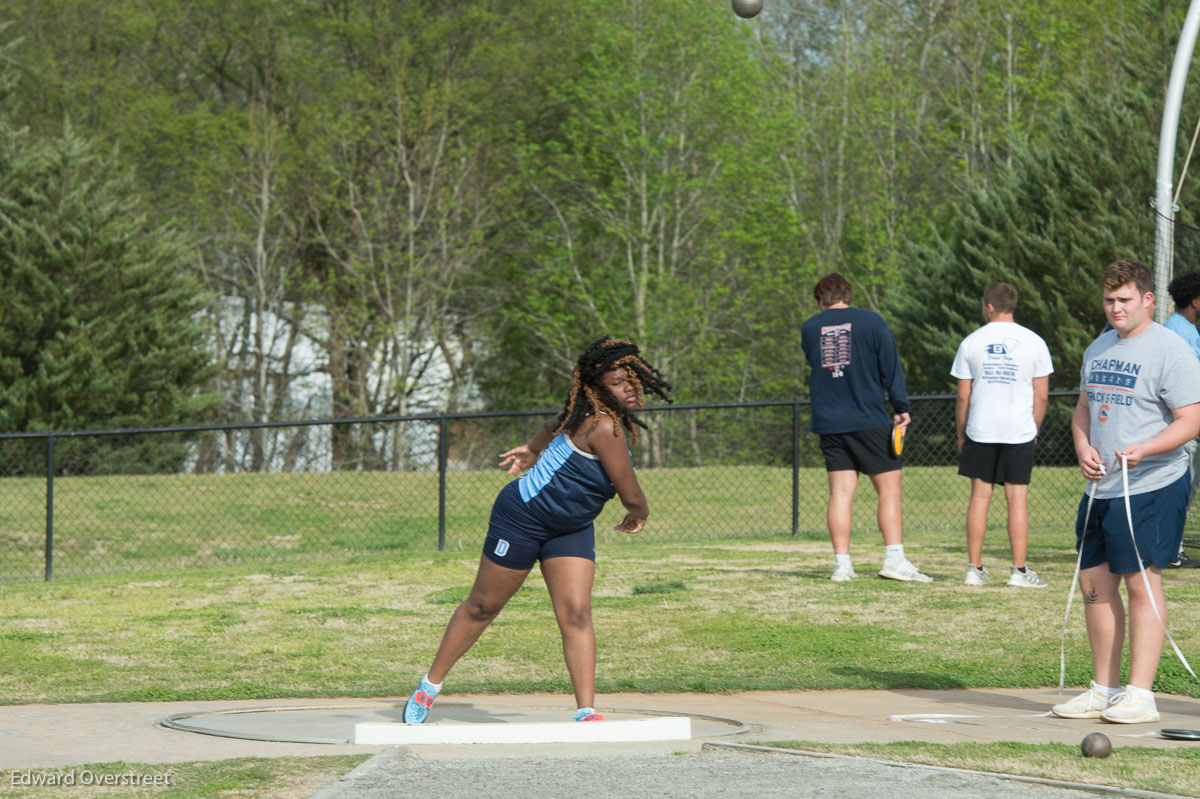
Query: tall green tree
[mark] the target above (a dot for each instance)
(653, 208)
(1068, 206)
(97, 319)
(335, 162)
(901, 108)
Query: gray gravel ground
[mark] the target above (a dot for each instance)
(724, 773)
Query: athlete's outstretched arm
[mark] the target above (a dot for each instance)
(521, 458)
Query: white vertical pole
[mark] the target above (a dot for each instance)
(1164, 207)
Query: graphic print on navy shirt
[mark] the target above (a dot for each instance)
(835, 348)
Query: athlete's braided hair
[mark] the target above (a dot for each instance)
(589, 396)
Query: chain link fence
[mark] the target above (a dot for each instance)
(100, 502)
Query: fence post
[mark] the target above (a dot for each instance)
(441, 461)
(49, 506)
(795, 465)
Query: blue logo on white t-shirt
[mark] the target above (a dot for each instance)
(996, 349)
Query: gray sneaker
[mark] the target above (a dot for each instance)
(1025, 579)
(975, 576)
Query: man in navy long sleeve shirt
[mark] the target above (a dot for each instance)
(855, 368)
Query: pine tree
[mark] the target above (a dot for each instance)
(97, 314)
(1069, 206)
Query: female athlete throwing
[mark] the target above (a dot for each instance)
(576, 462)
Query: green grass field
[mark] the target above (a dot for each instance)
(689, 606)
(720, 616)
(108, 525)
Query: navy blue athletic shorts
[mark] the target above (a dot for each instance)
(866, 451)
(1158, 518)
(517, 539)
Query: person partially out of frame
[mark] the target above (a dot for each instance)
(1003, 372)
(855, 368)
(576, 462)
(1185, 293)
(1139, 402)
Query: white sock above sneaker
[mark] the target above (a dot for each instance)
(1139, 693)
(436, 686)
(841, 560)
(895, 552)
(1106, 691)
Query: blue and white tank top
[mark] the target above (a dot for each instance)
(566, 488)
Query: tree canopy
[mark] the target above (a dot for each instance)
(445, 201)
(98, 320)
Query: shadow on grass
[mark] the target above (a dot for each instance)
(899, 680)
(766, 571)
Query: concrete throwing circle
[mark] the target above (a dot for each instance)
(336, 723)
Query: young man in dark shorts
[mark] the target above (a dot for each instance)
(854, 367)
(1003, 372)
(1139, 403)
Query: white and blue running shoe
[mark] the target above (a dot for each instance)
(416, 710)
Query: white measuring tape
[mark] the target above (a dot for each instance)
(1062, 652)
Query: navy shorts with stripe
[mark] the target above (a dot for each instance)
(1158, 518)
(517, 539)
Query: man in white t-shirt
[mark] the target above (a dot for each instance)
(1003, 372)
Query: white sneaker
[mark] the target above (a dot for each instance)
(903, 570)
(1026, 579)
(975, 576)
(843, 573)
(1125, 708)
(1088, 705)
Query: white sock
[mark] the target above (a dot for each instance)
(842, 560)
(436, 686)
(1106, 691)
(894, 552)
(1139, 693)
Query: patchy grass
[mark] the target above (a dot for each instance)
(715, 616)
(718, 616)
(659, 587)
(1144, 768)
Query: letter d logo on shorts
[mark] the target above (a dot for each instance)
(501, 548)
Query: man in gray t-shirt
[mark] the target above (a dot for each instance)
(1139, 402)
(1133, 386)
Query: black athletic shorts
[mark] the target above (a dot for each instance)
(997, 463)
(866, 451)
